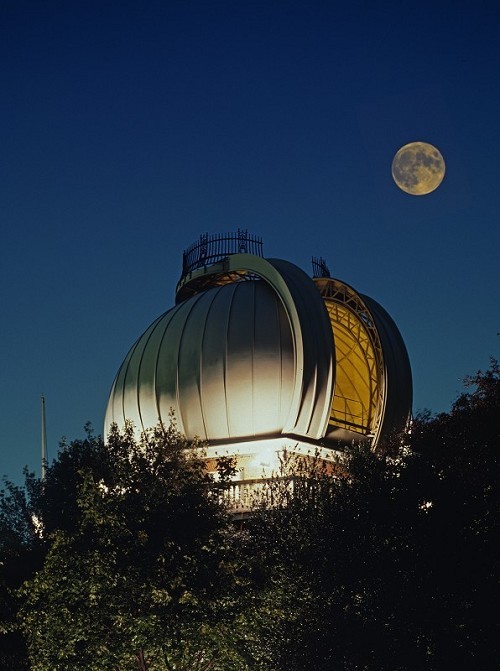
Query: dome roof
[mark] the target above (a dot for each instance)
(245, 359)
(256, 350)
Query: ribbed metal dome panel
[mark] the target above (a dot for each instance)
(223, 361)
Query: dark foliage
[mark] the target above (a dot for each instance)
(126, 556)
(392, 565)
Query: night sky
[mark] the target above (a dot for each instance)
(129, 128)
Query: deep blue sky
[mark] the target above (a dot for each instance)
(128, 128)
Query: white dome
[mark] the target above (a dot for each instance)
(256, 350)
(248, 359)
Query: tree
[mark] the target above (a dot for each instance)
(461, 449)
(339, 557)
(139, 567)
(131, 558)
(392, 564)
(21, 554)
(28, 517)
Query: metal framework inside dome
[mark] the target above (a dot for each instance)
(358, 401)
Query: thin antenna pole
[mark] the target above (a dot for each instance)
(44, 440)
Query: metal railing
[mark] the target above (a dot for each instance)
(210, 249)
(320, 269)
(243, 496)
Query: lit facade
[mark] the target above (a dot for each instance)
(257, 356)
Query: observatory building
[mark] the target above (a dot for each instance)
(256, 356)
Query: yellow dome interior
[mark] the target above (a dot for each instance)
(357, 385)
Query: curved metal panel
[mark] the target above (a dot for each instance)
(130, 387)
(223, 361)
(213, 363)
(167, 368)
(147, 390)
(314, 352)
(188, 368)
(123, 388)
(318, 352)
(240, 350)
(399, 391)
(273, 343)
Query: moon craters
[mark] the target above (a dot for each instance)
(418, 168)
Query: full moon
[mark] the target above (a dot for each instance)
(418, 168)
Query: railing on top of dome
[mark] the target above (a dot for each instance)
(320, 269)
(213, 248)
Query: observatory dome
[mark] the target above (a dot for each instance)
(256, 352)
(235, 362)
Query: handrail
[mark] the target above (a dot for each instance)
(320, 269)
(210, 249)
